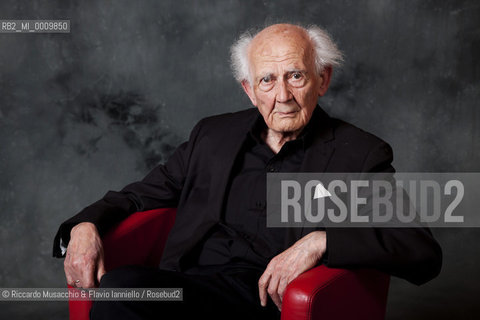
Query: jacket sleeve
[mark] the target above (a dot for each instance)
(161, 188)
(409, 253)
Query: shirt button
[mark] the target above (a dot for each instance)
(271, 169)
(260, 204)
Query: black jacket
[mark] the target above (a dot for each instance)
(195, 178)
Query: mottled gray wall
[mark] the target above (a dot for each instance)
(89, 111)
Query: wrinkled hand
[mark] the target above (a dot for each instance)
(84, 260)
(289, 264)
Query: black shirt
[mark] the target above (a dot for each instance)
(242, 237)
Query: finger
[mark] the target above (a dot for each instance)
(262, 287)
(74, 280)
(70, 281)
(272, 290)
(282, 288)
(87, 279)
(74, 271)
(68, 273)
(71, 277)
(100, 271)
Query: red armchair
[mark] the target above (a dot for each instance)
(320, 293)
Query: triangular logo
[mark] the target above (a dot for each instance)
(321, 192)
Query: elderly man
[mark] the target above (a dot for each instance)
(220, 250)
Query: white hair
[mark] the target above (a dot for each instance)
(326, 52)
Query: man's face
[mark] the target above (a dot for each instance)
(285, 85)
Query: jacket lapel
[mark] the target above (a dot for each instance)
(223, 161)
(319, 152)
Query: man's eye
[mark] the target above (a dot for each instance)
(297, 76)
(266, 79)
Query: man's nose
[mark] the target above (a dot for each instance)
(283, 92)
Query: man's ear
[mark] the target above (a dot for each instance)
(249, 91)
(325, 78)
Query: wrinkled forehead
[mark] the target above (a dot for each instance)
(279, 43)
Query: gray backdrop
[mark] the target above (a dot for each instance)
(89, 111)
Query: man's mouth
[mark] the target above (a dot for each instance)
(286, 113)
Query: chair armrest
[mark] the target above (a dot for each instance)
(139, 239)
(328, 293)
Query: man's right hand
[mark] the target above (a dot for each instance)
(84, 263)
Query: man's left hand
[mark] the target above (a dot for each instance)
(289, 264)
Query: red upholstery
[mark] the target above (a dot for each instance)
(320, 293)
(326, 293)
